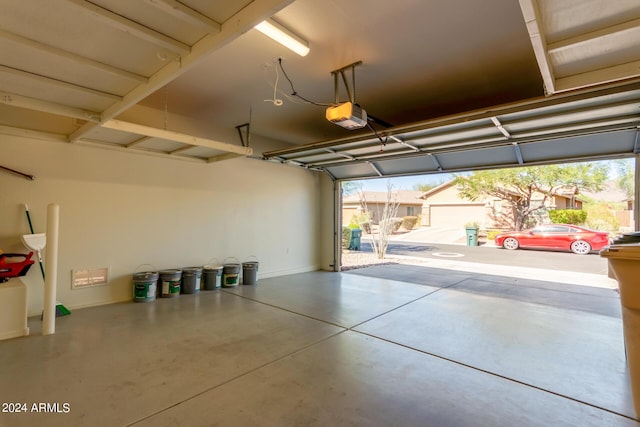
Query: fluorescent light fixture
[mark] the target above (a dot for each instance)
(283, 36)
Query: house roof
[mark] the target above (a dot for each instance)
(562, 192)
(404, 197)
(437, 189)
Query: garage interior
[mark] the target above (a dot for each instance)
(173, 133)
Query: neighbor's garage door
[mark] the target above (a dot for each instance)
(456, 215)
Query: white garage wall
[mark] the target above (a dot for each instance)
(121, 210)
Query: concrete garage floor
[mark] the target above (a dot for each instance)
(414, 346)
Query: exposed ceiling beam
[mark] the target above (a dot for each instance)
(604, 75)
(72, 57)
(48, 107)
(593, 36)
(182, 150)
(131, 27)
(177, 137)
(243, 21)
(58, 83)
(138, 141)
(221, 157)
(532, 18)
(138, 150)
(32, 134)
(186, 14)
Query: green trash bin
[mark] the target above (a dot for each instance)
(356, 234)
(472, 236)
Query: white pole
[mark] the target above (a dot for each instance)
(51, 266)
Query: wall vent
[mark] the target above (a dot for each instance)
(81, 279)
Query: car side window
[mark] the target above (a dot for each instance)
(559, 229)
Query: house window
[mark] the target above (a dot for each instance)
(411, 211)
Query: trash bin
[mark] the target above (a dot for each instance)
(356, 235)
(472, 236)
(624, 263)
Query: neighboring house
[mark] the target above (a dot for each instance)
(410, 204)
(443, 207)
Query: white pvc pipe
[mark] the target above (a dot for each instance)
(51, 270)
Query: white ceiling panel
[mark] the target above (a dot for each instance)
(455, 78)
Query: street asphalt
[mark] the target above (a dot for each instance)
(446, 248)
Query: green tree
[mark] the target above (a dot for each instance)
(351, 187)
(425, 186)
(626, 177)
(527, 189)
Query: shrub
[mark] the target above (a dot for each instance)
(472, 224)
(357, 219)
(568, 216)
(491, 234)
(602, 218)
(408, 222)
(392, 224)
(346, 237)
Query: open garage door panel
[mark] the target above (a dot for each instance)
(590, 125)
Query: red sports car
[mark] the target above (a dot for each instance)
(565, 237)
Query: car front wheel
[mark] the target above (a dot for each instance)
(510, 243)
(580, 247)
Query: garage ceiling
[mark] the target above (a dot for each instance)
(454, 84)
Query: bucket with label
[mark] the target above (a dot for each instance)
(230, 273)
(145, 286)
(170, 283)
(250, 271)
(212, 276)
(191, 280)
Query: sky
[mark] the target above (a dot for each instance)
(404, 182)
(407, 182)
